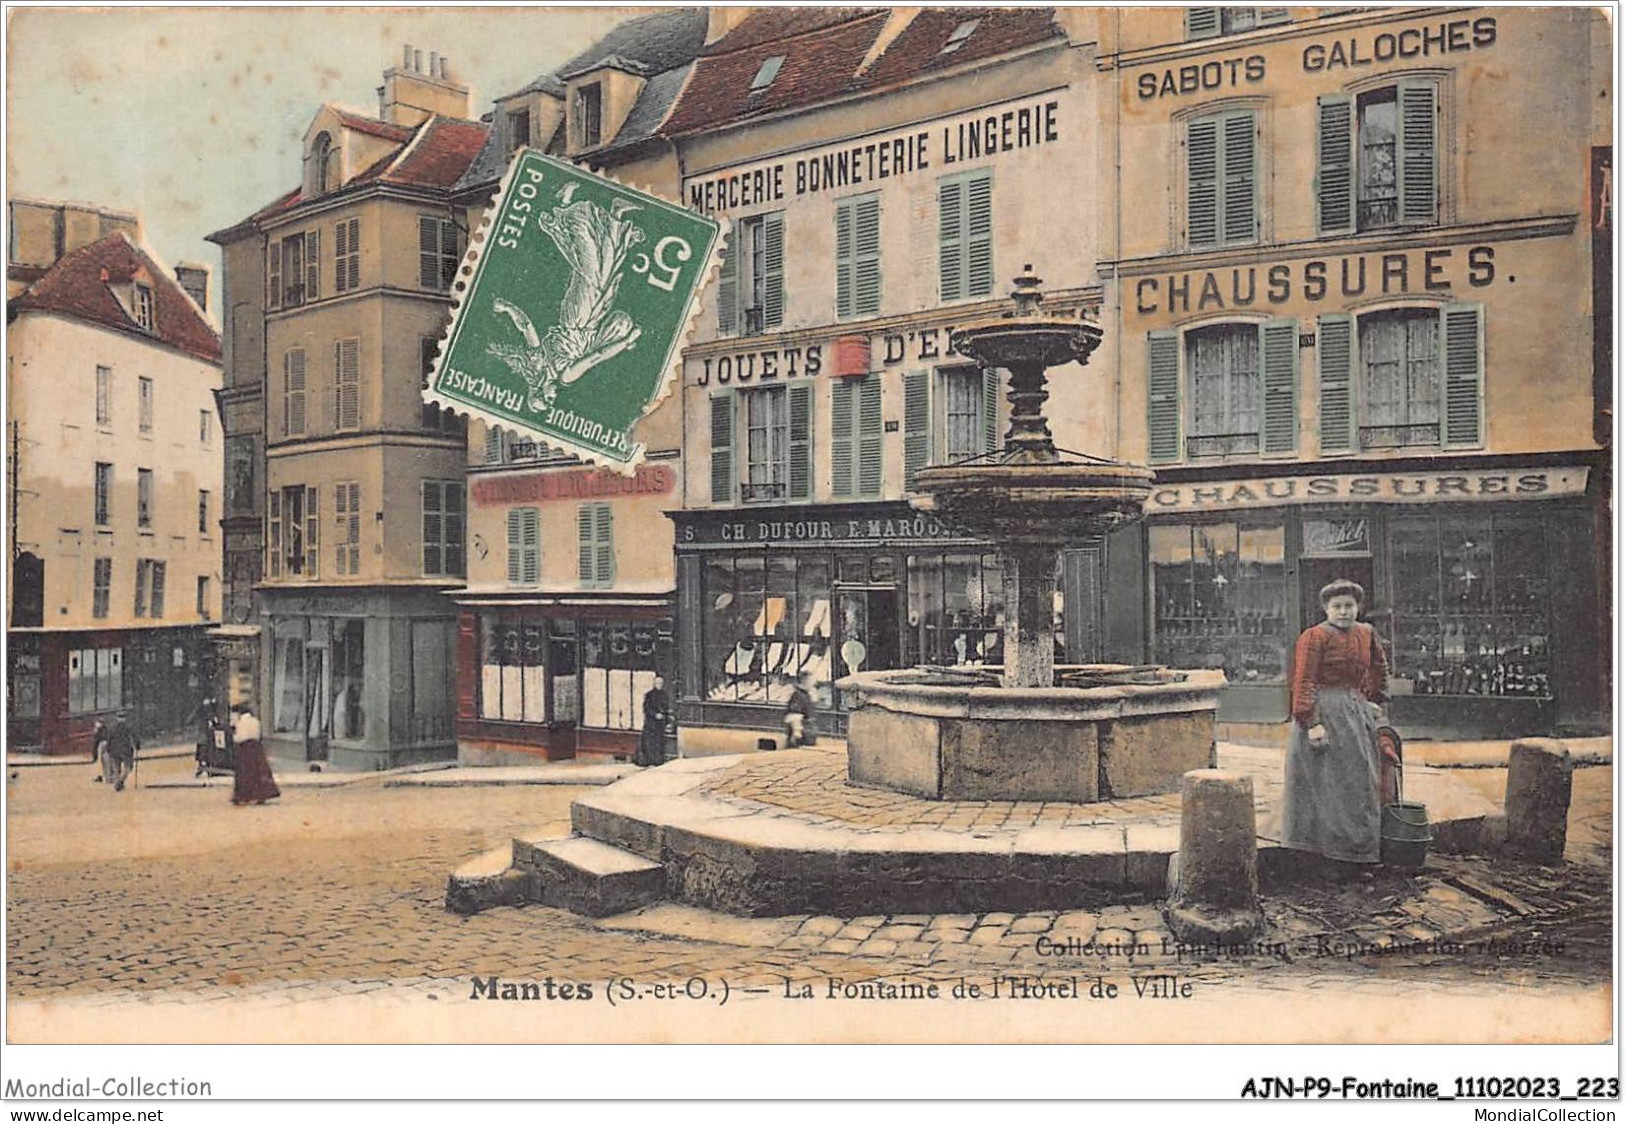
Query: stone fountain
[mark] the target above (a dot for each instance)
(1102, 731)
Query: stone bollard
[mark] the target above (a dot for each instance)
(1540, 780)
(1216, 896)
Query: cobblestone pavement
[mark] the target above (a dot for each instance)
(173, 894)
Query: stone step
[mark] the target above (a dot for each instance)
(587, 876)
(485, 882)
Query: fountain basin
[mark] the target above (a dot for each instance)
(920, 732)
(1049, 503)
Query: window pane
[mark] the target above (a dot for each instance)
(721, 627)
(1379, 162)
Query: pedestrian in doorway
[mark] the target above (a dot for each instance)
(120, 752)
(656, 715)
(1332, 804)
(799, 714)
(98, 753)
(254, 783)
(206, 721)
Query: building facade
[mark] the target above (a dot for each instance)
(114, 448)
(338, 294)
(1348, 284)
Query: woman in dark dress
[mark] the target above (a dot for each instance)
(1332, 805)
(656, 713)
(254, 783)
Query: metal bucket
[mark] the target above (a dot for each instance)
(1406, 834)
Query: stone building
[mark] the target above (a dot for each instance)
(114, 501)
(337, 293)
(1351, 275)
(567, 617)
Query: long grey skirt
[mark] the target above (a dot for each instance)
(1331, 804)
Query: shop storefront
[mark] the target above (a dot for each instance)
(559, 677)
(822, 591)
(1490, 628)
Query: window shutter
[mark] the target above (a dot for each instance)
(870, 437)
(312, 531)
(1418, 188)
(1274, 17)
(916, 425)
(841, 426)
(347, 381)
(584, 545)
(431, 527)
(293, 391)
(801, 442)
(341, 523)
(773, 271)
(843, 257)
(273, 285)
(428, 252)
(1334, 350)
(157, 571)
(1279, 346)
(951, 238)
(979, 235)
(354, 529)
(604, 544)
(990, 409)
(1202, 182)
(355, 253)
(516, 543)
(530, 533)
(313, 264)
(722, 448)
(1463, 335)
(1240, 179)
(1334, 177)
(1162, 402)
(1201, 23)
(866, 256)
(728, 283)
(273, 536)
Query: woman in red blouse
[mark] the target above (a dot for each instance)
(1333, 804)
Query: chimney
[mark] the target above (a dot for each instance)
(412, 94)
(194, 278)
(722, 20)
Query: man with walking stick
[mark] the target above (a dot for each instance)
(121, 746)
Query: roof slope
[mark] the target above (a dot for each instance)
(918, 49)
(80, 286)
(651, 44)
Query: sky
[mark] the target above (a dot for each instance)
(193, 116)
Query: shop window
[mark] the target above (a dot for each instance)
(619, 662)
(1219, 599)
(104, 396)
(101, 588)
(955, 610)
(1221, 179)
(524, 545)
(1408, 377)
(349, 711)
(293, 392)
(346, 255)
(1241, 385)
(443, 528)
(1378, 158)
(431, 702)
(346, 528)
(513, 668)
(595, 561)
(766, 621)
(1470, 606)
(857, 256)
(347, 384)
(856, 436)
(288, 689)
(95, 680)
(439, 252)
(750, 286)
(104, 493)
(965, 235)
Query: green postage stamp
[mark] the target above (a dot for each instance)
(580, 296)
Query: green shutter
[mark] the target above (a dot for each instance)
(1201, 23)
(604, 544)
(584, 546)
(916, 425)
(841, 436)
(1202, 182)
(979, 235)
(990, 409)
(773, 271)
(722, 448)
(801, 396)
(1274, 17)
(1334, 176)
(1279, 346)
(866, 256)
(1162, 397)
(1240, 179)
(516, 545)
(728, 284)
(870, 440)
(531, 533)
(951, 238)
(1418, 188)
(1462, 332)
(843, 257)
(1334, 351)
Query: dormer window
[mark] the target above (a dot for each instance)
(769, 71)
(961, 33)
(589, 115)
(324, 160)
(518, 121)
(143, 306)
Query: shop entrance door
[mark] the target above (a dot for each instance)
(866, 638)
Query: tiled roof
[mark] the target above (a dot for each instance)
(651, 44)
(818, 64)
(79, 286)
(774, 25)
(918, 49)
(374, 127)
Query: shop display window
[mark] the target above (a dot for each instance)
(95, 680)
(767, 620)
(1470, 606)
(349, 675)
(512, 667)
(1219, 599)
(288, 686)
(955, 610)
(619, 662)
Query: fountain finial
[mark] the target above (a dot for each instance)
(1027, 296)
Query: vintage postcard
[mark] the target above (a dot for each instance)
(816, 525)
